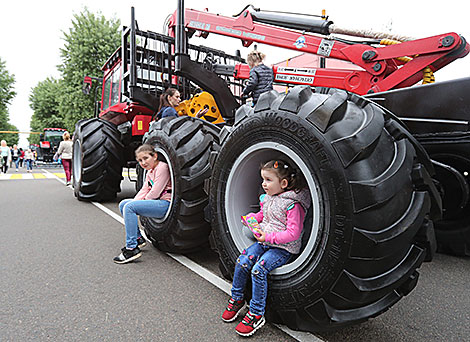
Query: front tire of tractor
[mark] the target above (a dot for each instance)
(185, 144)
(362, 237)
(97, 160)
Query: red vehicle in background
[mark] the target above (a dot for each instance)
(49, 143)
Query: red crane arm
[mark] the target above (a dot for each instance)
(381, 68)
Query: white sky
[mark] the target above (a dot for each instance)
(31, 30)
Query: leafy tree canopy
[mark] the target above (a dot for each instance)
(7, 93)
(44, 101)
(88, 43)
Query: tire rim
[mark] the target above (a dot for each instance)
(243, 185)
(77, 162)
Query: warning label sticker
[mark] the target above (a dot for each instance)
(294, 79)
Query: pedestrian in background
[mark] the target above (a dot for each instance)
(15, 156)
(65, 153)
(22, 153)
(28, 159)
(5, 155)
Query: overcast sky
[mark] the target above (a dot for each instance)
(32, 31)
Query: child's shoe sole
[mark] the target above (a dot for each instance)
(260, 324)
(125, 261)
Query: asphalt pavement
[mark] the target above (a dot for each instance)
(58, 282)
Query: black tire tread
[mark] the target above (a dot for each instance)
(372, 280)
(188, 142)
(102, 160)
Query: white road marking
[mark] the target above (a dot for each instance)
(222, 284)
(49, 174)
(203, 272)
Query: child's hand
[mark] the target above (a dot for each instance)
(202, 112)
(261, 237)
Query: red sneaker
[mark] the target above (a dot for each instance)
(250, 324)
(232, 310)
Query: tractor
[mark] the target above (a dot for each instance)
(49, 143)
(385, 161)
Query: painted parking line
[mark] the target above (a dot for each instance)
(48, 175)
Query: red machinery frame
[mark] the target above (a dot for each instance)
(382, 69)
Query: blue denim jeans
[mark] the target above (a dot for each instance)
(130, 208)
(260, 260)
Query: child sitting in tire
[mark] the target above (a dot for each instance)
(280, 221)
(153, 200)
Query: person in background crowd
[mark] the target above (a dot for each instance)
(21, 157)
(15, 156)
(28, 159)
(5, 154)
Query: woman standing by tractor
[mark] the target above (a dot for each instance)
(65, 152)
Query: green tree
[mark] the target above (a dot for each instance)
(7, 93)
(88, 44)
(44, 101)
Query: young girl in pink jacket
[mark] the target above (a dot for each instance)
(153, 200)
(279, 236)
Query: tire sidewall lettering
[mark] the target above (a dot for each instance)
(316, 156)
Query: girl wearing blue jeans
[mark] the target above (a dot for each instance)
(280, 221)
(153, 200)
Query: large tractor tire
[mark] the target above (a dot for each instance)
(184, 143)
(451, 155)
(368, 228)
(97, 160)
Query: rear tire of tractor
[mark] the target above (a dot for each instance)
(362, 237)
(185, 144)
(97, 160)
(452, 150)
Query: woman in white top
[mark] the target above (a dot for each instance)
(65, 153)
(5, 155)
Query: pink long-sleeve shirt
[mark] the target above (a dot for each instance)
(295, 219)
(157, 184)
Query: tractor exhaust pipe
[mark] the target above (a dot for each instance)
(180, 38)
